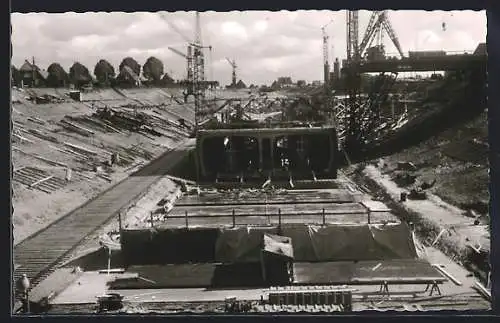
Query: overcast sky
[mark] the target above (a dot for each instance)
(265, 45)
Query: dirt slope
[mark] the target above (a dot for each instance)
(59, 133)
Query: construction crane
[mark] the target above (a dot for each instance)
(195, 57)
(379, 21)
(189, 73)
(326, 65)
(352, 36)
(233, 65)
(355, 121)
(362, 118)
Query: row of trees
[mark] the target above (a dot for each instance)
(105, 74)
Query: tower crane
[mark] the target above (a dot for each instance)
(326, 65)
(189, 73)
(196, 84)
(379, 21)
(233, 65)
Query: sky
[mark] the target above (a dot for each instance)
(265, 45)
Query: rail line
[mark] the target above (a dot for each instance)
(38, 255)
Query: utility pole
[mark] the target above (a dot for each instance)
(33, 83)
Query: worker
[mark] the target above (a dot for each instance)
(23, 286)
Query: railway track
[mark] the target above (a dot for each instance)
(38, 255)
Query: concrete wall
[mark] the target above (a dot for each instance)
(256, 152)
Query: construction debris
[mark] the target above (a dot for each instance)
(403, 179)
(417, 194)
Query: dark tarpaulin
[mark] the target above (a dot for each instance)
(352, 242)
(242, 244)
(245, 244)
(169, 245)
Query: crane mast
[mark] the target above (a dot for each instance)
(352, 36)
(233, 65)
(326, 65)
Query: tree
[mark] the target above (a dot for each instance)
(153, 69)
(79, 74)
(104, 72)
(132, 63)
(57, 76)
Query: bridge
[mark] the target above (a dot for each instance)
(451, 61)
(426, 64)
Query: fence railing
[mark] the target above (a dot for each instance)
(279, 218)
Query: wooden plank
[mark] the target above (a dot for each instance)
(397, 280)
(397, 271)
(34, 172)
(36, 120)
(31, 177)
(23, 181)
(41, 181)
(19, 169)
(102, 124)
(77, 127)
(43, 136)
(48, 161)
(178, 179)
(486, 293)
(259, 197)
(375, 206)
(48, 191)
(70, 152)
(23, 138)
(80, 148)
(50, 185)
(447, 274)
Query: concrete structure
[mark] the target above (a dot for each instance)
(422, 64)
(262, 152)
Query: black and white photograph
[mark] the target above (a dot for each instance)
(249, 162)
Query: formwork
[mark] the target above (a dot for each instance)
(257, 153)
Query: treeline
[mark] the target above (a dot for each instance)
(104, 74)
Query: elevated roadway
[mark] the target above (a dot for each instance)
(426, 64)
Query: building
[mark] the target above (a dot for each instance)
(480, 49)
(32, 75)
(284, 80)
(336, 70)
